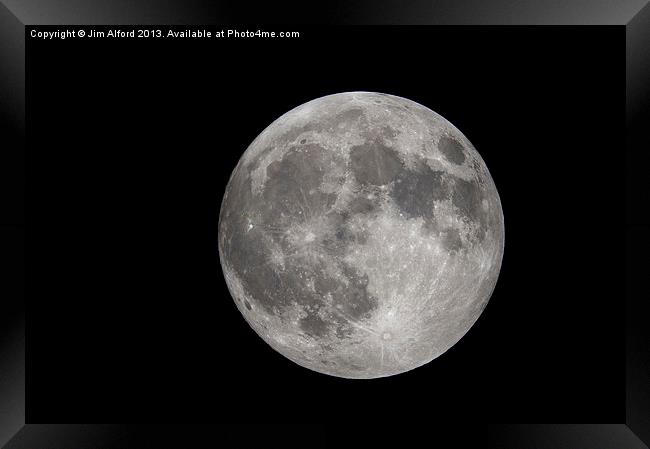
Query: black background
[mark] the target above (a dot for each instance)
(130, 146)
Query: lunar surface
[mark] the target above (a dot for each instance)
(361, 235)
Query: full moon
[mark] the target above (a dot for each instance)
(361, 235)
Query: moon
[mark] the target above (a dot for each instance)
(361, 235)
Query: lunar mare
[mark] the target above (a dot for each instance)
(361, 235)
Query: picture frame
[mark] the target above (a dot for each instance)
(18, 18)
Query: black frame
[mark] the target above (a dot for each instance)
(629, 14)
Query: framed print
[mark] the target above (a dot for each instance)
(412, 215)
